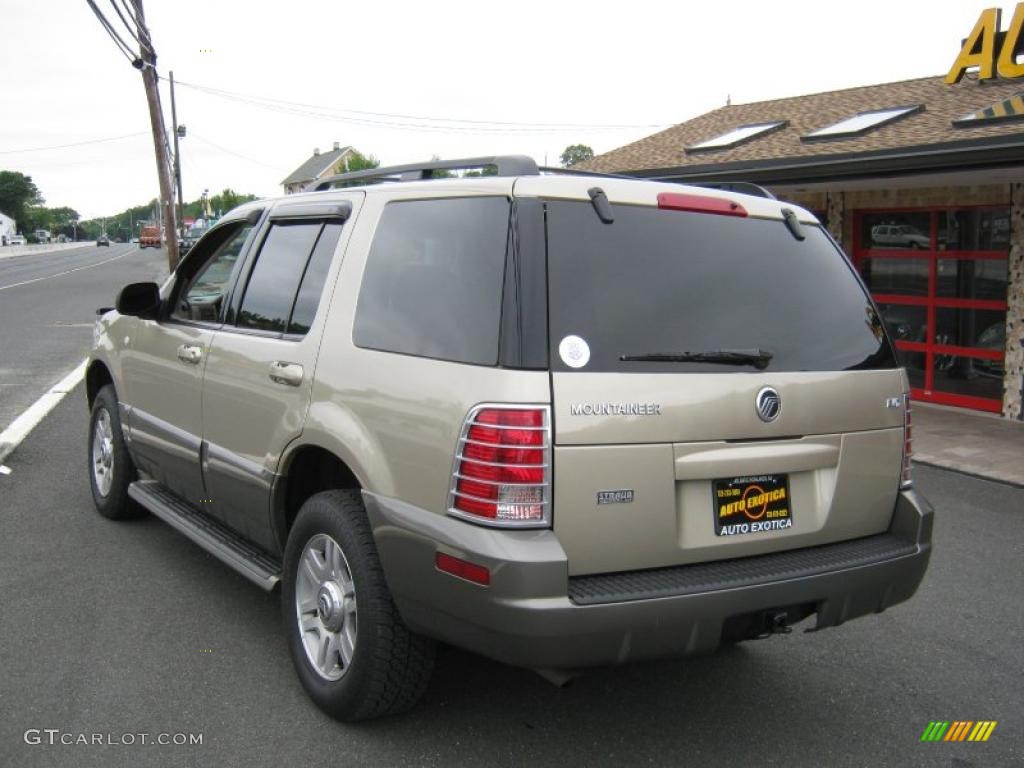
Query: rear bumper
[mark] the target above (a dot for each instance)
(534, 615)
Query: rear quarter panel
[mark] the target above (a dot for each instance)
(395, 419)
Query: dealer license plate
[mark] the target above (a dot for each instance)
(755, 504)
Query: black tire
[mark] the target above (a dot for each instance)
(390, 665)
(114, 504)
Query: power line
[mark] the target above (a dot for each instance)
(76, 144)
(125, 49)
(398, 120)
(138, 21)
(424, 127)
(194, 135)
(128, 26)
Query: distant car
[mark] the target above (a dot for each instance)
(993, 339)
(16, 240)
(192, 235)
(899, 236)
(103, 240)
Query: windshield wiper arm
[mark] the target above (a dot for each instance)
(755, 357)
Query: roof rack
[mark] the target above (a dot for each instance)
(575, 172)
(509, 165)
(506, 165)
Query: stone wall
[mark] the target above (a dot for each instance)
(836, 210)
(1014, 366)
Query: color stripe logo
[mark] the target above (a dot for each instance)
(958, 730)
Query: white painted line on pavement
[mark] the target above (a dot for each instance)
(4, 470)
(20, 428)
(69, 271)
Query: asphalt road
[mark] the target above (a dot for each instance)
(127, 628)
(47, 308)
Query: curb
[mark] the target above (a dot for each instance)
(968, 473)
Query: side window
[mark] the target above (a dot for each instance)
(285, 284)
(202, 298)
(433, 280)
(308, 298)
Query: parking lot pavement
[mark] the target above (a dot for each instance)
(127, 628)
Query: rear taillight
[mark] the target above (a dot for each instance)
(502, 472)
(678, 201)
(906, 480)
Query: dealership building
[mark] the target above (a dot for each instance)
(921, 181)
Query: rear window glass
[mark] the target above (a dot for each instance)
(660, 282)
(433, 280)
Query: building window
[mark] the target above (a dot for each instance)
(738, 136)
(862, 122)
(940, 279)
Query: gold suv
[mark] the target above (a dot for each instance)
(556, 419)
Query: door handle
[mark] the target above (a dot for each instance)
(286, 373)
(190, 353)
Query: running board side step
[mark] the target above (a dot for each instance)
(217, 539)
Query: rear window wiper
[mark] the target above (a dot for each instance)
(755, 357)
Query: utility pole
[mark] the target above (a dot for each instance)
(147, 64)
(178, 132)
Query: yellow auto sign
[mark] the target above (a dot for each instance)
(989, 50)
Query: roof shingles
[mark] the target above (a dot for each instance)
(315, 166)
(933, 125)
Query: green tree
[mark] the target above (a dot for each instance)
(64, 220)
(35, 217)
(227, 200)
(576, 153)
(64, 216)
(357, 161)
(17, 194)
(440, 173)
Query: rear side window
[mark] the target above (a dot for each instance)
(285, 284)
(673, 283)
(433, 280)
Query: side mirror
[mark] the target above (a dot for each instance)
(139, 300)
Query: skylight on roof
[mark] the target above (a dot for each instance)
(1007, 109)
(862, 122)
(738, 135)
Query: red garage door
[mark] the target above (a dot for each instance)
(940, 278)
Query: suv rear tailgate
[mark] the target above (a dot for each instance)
(665, 325)
(835, 440)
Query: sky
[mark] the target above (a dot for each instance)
(405, 81)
